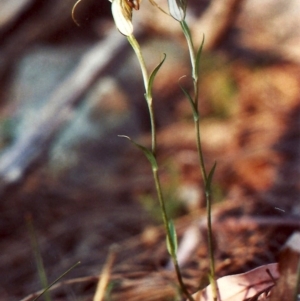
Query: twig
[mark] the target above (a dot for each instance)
(28, 148)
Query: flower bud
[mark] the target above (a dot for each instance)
(177, 9)
(122, 14)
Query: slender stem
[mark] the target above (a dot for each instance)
(208, 208)
(195, 77)
(191, 48)
(148, 96)
(160, 198)
(153, 127)
(200, 151)
(210, 247)
(166, 224)
(136, 47)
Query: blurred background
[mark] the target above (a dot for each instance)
(68, 91)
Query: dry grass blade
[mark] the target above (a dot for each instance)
(105, 275)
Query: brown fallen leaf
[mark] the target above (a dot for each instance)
(242, 286)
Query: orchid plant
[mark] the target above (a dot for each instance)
(122, 11)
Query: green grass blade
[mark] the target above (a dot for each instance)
(190, 99)
(172, 244)
(152, 76)
(210, 177)
(55, 281)
(149, 155)
(198, 55)
(37, 255)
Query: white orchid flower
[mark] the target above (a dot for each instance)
(122, 14)
(177, 9)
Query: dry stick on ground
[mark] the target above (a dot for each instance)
(27, 148)
(104, 277)
(88, 279)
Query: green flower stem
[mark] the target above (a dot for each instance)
(153, 128)
(208, 208)
(166, 224)
(148, 96)
(199, 149)
(195, 77)
(191, 48)
(137, 49)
